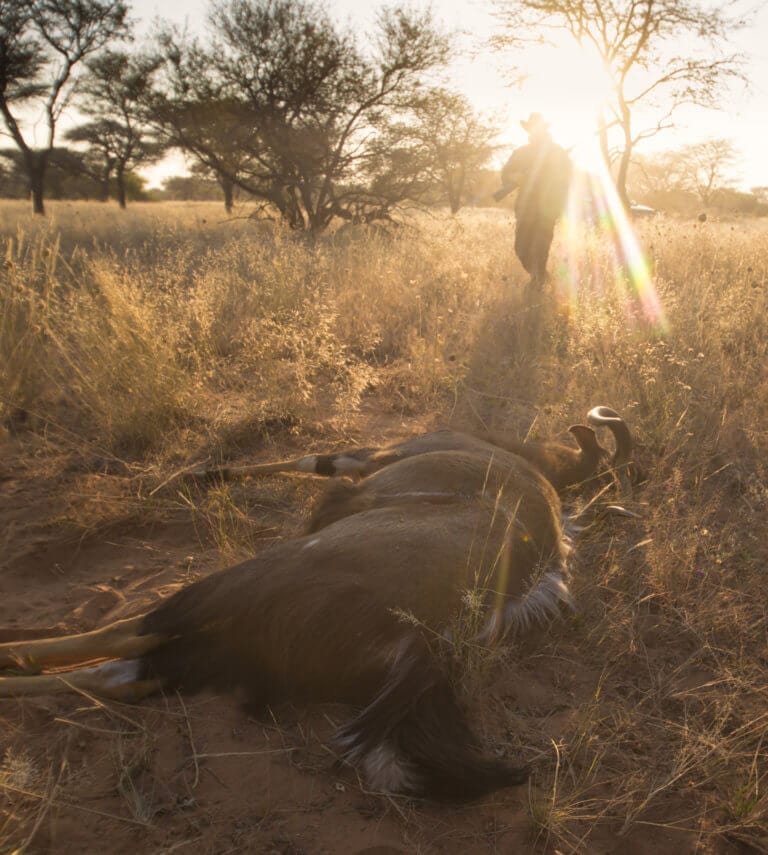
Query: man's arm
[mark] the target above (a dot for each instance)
(504, 191)
(512, 173)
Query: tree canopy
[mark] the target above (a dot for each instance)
(285, 104)
(115, 92)
(456, 143)
(42, 42)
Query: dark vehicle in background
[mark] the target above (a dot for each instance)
(593, 212)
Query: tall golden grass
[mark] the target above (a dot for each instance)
(168, 331)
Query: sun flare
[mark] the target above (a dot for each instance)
(571, 86)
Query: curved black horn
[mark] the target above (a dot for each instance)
(622, 457)
(587, 441)
(606, 417)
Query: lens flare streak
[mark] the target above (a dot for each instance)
(593, 200)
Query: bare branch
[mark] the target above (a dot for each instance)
(636, 40)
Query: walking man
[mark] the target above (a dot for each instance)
(541, 172)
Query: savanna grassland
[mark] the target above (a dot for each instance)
(135, 344)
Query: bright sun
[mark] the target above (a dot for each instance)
(571, 86)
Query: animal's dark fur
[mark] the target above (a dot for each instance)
(323, 617)
(416, 717)
(562, 465)
(349, 613)
(439, 478)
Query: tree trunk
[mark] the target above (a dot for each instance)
(456, 191)
(293, 212)
(37, 162)
(228, 188)
(621, 177)
(604, 148)
(626, 154)
(120, 179)
(318, 221)
(105, 179)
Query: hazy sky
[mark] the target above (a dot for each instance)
(565, 98)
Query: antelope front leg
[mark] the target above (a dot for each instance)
(115, 641)
(115, 680)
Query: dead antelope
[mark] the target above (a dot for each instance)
(563, 465)
(353, 612)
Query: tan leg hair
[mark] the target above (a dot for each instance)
(114, 641)
(115, 680)
(299, 464)
(206, 473)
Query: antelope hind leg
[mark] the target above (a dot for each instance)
(114, 641)
(115, 680)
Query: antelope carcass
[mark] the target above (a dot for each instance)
(354, 612)
(562, 464)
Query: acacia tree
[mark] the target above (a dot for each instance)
(696, 170)
(68, 174)
(227, 187)
(455, 143)
(656, 175)
(114, 91)
(637, 42)
(307, 107)
(102, 138)
(213, 130)
(705, 166)
(41, 44)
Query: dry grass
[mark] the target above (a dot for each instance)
(166, 335)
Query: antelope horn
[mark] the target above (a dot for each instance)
(587, 440)
(622, 457)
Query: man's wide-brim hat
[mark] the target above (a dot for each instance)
(535, 122)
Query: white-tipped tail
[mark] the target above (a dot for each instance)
(384, 770)
(540, 605)
(120, 672)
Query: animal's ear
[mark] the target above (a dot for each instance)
(586, 438)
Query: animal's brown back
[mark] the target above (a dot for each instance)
(291, 622)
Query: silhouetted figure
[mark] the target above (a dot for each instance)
(541, 171)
